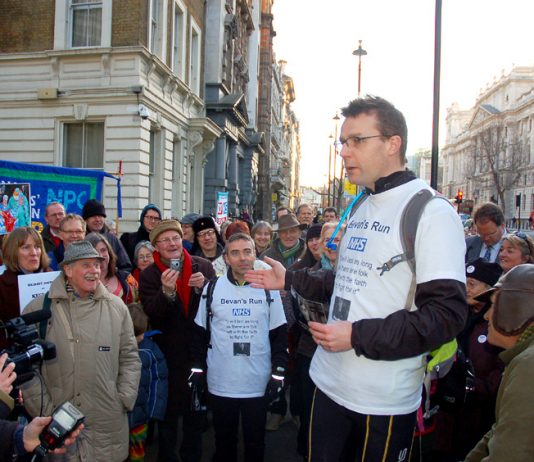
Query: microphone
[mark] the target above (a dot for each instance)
(26, 319)
(36, 316)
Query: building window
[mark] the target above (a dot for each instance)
(158, 28)
(194, 65)
(179, 40)
(83, 145)
(86, 23)
(155, 186)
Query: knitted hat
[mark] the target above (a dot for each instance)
(203, 223)
(289, 221)
(314, 231)
(165, 225)
(190, 218)
(483, 271)
(237, 227)
(93, 208)
(147, 208)
(79, 250)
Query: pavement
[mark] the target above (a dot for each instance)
(280, 445)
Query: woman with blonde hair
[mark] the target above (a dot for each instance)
(516, 248)
(23, 253)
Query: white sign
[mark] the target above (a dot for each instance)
(33, 285)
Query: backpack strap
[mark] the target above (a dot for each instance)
(268, 297)
(46, 309)
(408, 230)
(209, 313)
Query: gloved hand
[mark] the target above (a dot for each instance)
(197, 383)
(275, 385)
(196, 378)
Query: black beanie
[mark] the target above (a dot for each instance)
(93, 208)
(483, 271)
(203, 223)
(314, 231)
(147, 208)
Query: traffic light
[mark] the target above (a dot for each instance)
(459, 197)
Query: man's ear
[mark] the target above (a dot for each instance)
(395, 143)
(67, 270)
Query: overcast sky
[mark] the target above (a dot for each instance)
(480, 39)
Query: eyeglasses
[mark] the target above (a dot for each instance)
(58, 214)
(145, 257)
(152, 218)
(520, 235)
(168, 240)
(206, 233)
(73, 232)
(353, 142)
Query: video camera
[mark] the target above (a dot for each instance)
(27, 349)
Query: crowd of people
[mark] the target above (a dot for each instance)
(186, 323)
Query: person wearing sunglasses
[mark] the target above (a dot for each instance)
(516, 248)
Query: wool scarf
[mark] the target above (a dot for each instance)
(289, 255)
(182, 288)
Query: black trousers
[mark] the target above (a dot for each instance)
(338, 434)
(226, 413)
(193, 425)
(306, 390)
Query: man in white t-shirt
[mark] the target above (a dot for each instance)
(370, 363)
(245, 333)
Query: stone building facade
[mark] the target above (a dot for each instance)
(93, 83)
(489, 148)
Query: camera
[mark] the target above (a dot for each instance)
(27, 349)
(143, 111)
(65, 419)
(176, 264)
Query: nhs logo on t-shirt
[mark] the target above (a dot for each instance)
(357, 243)
(241, 311)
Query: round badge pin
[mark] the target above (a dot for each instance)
(482, 338)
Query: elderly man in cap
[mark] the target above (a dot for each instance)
(170, 298)
(97, 367)
(288, 247)
(187, 228)
(511, 326)
(94, 214)
(208, 242)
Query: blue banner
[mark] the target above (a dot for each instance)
(70, 186)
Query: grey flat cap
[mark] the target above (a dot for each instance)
(189, 218)
(79, 250)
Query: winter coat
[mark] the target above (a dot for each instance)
(130, 240)
(168, 316)
(98, 370)
(9, 300)
(511, 437)
(151, 400)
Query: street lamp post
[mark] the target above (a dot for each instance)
(329, 167)
(336, 120)
(359, 52)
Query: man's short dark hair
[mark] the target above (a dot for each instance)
(330, 209)
(238, 237)
(489, 212)
(390, 119)
(280, 209)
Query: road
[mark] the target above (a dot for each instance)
(280, 446)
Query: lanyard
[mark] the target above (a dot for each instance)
(330, 243)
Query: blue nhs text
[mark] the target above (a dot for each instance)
(357, 243)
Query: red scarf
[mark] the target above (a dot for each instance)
(182, 288)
